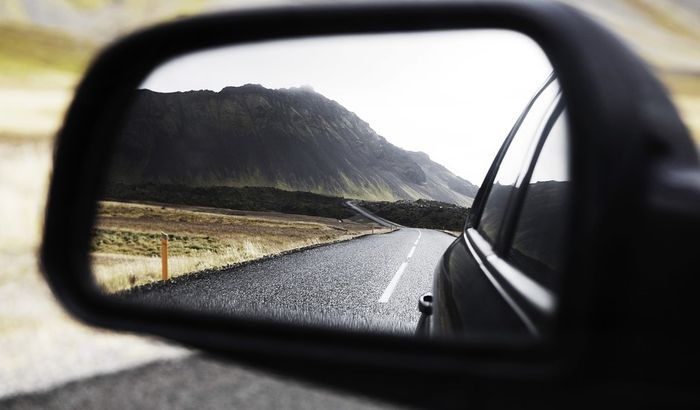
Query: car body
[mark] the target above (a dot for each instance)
(499, 276)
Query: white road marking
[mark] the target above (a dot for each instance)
(397, 276)
(412, 250)
(392, 285)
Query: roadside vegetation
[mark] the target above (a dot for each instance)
(126, 244)
(421, 214)
(418, 214)
(243, 198)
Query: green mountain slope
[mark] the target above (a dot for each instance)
(292, 139)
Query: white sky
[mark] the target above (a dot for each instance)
(451, 94)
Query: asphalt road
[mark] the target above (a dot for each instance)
(369, 283)
(196, 382)
(372, 217)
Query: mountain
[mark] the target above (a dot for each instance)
(291, 139)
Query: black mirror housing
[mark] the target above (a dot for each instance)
(634, 169)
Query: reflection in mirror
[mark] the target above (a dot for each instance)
(316, 181)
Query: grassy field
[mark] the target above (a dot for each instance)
(127, 239)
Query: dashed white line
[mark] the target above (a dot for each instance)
(392, 285)
(397, 276)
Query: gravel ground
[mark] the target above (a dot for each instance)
(41, 347)
(195, 382)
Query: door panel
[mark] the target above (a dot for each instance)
(466, 302)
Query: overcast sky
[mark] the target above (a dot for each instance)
(451, 94)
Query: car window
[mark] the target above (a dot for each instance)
(537, 247)
(516, 156)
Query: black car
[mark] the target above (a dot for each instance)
(500, 275)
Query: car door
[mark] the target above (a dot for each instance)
(487, 282)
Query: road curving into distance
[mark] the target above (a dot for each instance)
(369, 283)
(369, 215)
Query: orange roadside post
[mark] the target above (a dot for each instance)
(164, 254)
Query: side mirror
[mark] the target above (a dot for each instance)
(425, 304)
(203, 192)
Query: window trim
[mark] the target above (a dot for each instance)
(477, 207)
(515, 202)
(533, 303)
(514, 199)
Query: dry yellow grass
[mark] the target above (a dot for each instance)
(666, 34)
(685, 91)
(126, 244)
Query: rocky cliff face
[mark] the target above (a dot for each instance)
(293, 139)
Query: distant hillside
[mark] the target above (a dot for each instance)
(242, 199)
(421, 213)
(291, 139)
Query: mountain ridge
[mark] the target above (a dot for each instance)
(293, 139)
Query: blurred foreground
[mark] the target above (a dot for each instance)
(44, 48)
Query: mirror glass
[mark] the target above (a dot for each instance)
(326, 181)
